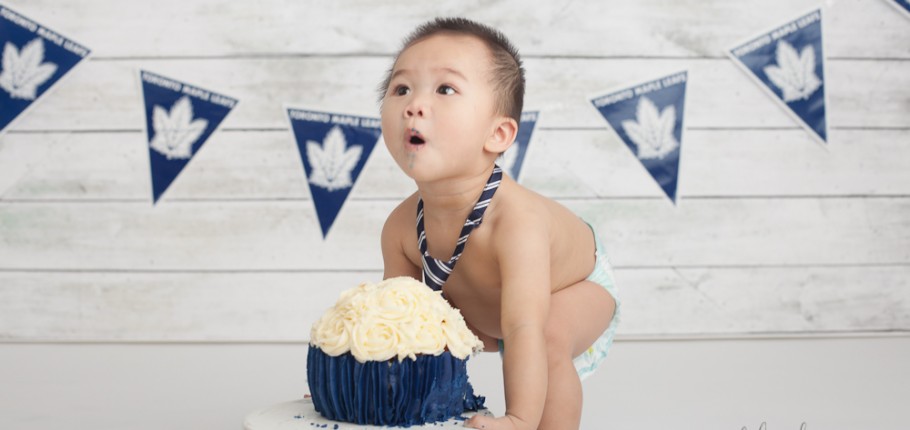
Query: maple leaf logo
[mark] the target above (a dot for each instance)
(176, 131)
(508, 159)
(24, 71)
(333, 161)
(652, 132)
(794, 72)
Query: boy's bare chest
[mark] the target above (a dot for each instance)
(477, 273)
(475, 288)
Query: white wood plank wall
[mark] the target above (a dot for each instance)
(775, 234)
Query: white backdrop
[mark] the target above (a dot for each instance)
(774, 233)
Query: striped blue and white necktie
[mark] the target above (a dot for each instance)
(435, 272)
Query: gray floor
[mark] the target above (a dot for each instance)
(835, 383)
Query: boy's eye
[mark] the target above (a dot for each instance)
(446, 90)
(401, 90)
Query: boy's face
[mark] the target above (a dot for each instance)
(438, 112)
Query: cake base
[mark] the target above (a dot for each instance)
(301, 414)
(409, 392)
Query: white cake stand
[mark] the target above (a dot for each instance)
(301, 414)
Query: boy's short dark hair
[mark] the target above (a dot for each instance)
(508, 76)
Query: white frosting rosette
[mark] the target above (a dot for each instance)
(399, 317)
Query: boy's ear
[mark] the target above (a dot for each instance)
(503, 135)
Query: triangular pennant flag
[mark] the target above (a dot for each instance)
(902, 5)
(34, 59)
(648, 117)
(179, 119)
(513, 159)
(788, 62)
(333, 148)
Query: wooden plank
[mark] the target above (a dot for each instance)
(281, 235)
(114, 166)
(718, 94)
(149, 306)
(766, 300)
(205, 235)
(105, 95)
(167, 306)
(585, 28)
(576, 164)
(723, 163)
(752, 232)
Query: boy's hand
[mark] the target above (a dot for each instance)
(507, 422)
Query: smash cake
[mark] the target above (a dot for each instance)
(391, 354)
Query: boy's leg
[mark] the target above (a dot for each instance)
(579, 314)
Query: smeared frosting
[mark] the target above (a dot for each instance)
(399, 317)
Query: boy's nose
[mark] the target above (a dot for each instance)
(415, 108)
(412, 111)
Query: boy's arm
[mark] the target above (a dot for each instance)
(395, 262)
(523, 252)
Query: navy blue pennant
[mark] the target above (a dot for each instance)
(902, 5)
(179, 119)
(334, 149)
(649, 118)
(34, 59)
(788, 64)
(513, 159)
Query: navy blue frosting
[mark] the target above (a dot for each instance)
(390, 393)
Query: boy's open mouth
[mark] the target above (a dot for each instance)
(415, 137)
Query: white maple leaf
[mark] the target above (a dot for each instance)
(333, 161)
(794, 72)
(176, 131)
(652, 132)
(24, 71)
(508, 159)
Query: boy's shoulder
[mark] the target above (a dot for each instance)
(403, 214)
(519, 200)
(519, 208)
